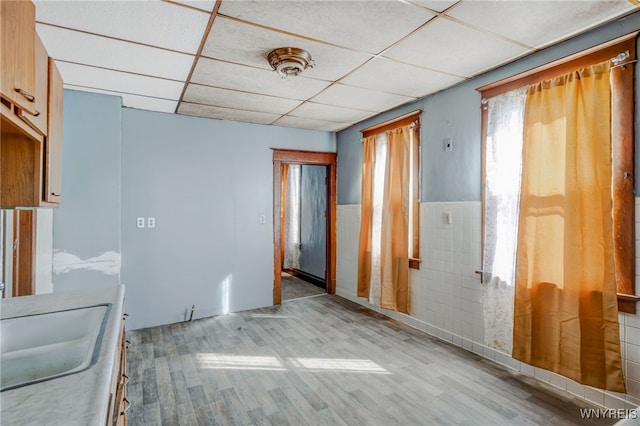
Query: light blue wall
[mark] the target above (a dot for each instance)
(86, 225)
(206, 182)
(455, 113)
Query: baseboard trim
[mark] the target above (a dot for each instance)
(305, 276)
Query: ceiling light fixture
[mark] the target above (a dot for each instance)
(288, 61)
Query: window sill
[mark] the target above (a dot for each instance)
(414, 263)
(627, 303)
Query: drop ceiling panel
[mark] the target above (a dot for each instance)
(199, 4)
(156, 23)
(254, 80)
(309, 123)
(86, 49)
(330, 113)
(136, 101)
(437, 5)
(362, 25)
(246, 44)
(206, 95)
(468, 53)
(371, 56)
(357, 98)
(538, 23)
(406, 79)
(226, 113)
(116, 81)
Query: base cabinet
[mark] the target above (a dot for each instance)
(119, 404)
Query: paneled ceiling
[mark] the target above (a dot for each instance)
(209, 59)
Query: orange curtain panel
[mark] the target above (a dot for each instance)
(366, 216)
(394, 243)
(565, 314)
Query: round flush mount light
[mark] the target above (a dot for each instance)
(288, 61)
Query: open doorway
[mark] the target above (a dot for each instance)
(304, 223)
(304, 260)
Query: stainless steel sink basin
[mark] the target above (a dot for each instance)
(35, 348)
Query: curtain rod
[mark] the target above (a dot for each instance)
(595, 54)
(619, 60)
(413, 125)
(393, 120)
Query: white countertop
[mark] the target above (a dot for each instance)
(76, 399)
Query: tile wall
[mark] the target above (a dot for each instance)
(446, 293)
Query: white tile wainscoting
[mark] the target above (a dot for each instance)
(446, 293)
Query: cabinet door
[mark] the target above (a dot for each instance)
(39, 120)
(53, 142)
(21, 160)
(124, 402)
(17, 44)
(24, 252)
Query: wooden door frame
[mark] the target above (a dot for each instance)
(309, 158)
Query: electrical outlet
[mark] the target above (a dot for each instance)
(140, 222)
(151, 222)
(262, 219)
(446, 218)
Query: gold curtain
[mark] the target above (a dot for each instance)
(565, 315)
(366, 216)
(394, 245)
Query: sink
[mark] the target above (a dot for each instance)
(35, 348)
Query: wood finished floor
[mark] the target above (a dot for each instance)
(325, 361)
(295, 288)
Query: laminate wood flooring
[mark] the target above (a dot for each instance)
(325, 361)
(295, 288)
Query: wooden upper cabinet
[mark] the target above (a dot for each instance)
(17, 44)
(39, 120)
(21, 160)
(53, 142)
(31, 118)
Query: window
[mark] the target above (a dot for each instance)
(389, 232)
(559, 213)
(501, 178)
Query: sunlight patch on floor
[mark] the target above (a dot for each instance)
(336, 364)
(238, 362)
(272, 316)
(272, 363)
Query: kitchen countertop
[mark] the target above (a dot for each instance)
(76, 399)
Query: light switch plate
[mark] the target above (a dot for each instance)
(448, 145)
(140, 222)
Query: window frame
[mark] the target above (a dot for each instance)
(622, 145)
(404, 120)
